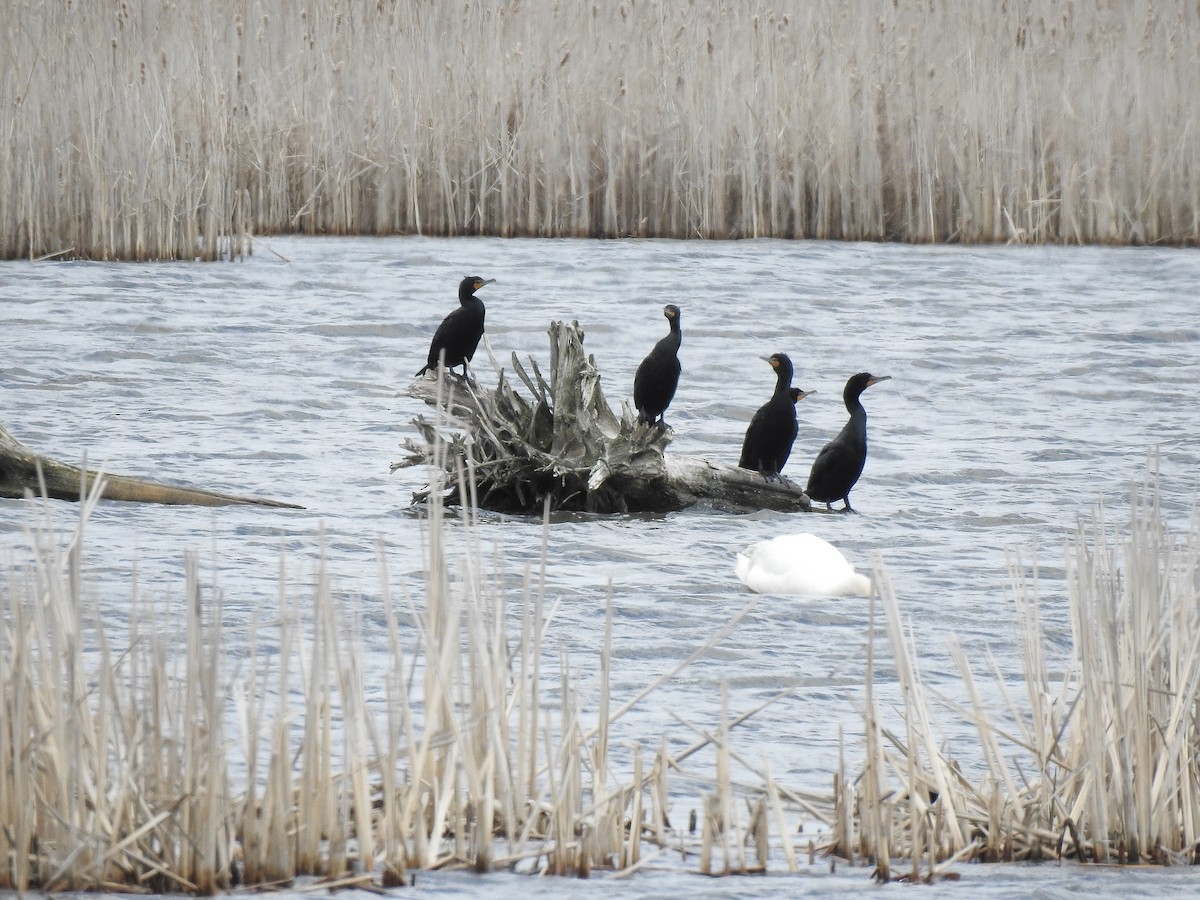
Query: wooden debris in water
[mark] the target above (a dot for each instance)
(24, 472)
(567, 447)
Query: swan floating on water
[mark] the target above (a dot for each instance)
(799, 564)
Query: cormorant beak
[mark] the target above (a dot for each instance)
(774, 362)
(481, 282)
(804, 394)
(879, 378)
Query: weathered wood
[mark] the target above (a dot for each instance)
(19, 474)
(567, 444)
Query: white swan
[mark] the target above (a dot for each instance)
(799, 564)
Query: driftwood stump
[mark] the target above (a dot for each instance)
(566, 444)
(23, 471)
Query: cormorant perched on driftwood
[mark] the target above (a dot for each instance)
(561, 446)
(772, 431)
(657, 377)
(837, 467)
(459, 334)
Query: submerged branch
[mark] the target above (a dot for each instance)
(23, 471)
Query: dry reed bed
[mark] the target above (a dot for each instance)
(192, 760)
(174, 130)
(1097, 760)
(179, 764)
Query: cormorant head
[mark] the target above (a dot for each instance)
(471, 284)
(671, 311)
(860, 382)
(781, 364)
(797, 395)
(783, 369)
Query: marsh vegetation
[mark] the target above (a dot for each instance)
(163, 130)
(159, 760)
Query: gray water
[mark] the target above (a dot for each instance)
(1028, 385)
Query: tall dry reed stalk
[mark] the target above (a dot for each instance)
(119, 752)
(141, 130)
(1097, 760)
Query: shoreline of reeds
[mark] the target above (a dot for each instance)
(149, 131)
(172, 765)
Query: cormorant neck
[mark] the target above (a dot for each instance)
(783, 382)
(675, 336)
(853, 399)
(858, 416)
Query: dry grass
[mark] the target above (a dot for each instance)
(178, 757)
(175, 130)
(1096, 761)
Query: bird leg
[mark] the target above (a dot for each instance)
(465, 377)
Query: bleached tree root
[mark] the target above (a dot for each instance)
(567, 445)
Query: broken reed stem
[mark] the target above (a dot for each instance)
(178, 138)
(874, 843)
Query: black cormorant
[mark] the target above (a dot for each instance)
(769, 438)
(840, 462)
(459, 333)
(657, 377)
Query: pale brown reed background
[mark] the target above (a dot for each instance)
(177, 129)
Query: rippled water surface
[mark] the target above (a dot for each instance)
(1027, 385)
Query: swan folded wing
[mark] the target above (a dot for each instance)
(799, 564)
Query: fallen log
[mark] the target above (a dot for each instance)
(564, 443)
(23, 471)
